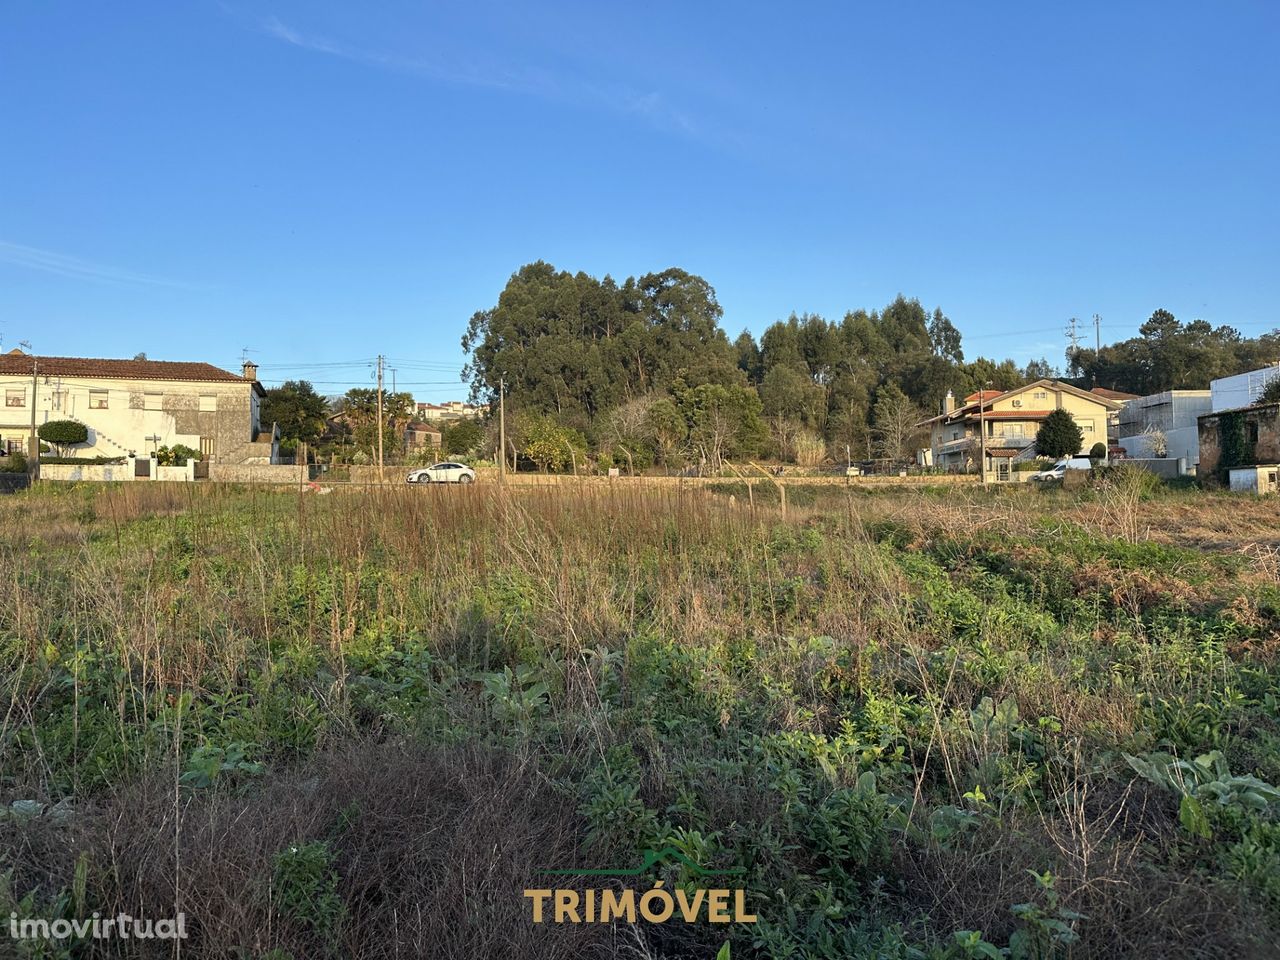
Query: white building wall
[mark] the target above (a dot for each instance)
(1183, 443)
(1260, 479)
(1242, 390)
(135, 416)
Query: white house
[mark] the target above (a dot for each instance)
(136, 406)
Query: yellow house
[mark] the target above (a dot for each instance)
(1009, 422)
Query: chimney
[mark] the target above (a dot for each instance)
(949, 402)
(250, 370)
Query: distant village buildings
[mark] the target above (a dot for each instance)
(450, 410)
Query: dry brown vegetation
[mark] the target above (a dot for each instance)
(435, 693)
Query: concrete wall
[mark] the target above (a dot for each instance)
(171, 474)
(1166, 468)
(258, 473)
(94, 472)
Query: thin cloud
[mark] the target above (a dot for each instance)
(471, 75)
(33, 258)
(650, 107)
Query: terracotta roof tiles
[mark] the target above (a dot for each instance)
(21, 363)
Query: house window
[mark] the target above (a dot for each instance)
(208, 403)
(1252, 430)
(151, 401)
(97, 399)
(15, 398)
(1086, 428)
(1041, 395)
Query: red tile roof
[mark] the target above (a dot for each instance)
(1113, 394)
(1011, 414)
(986, 395)
(19, 363)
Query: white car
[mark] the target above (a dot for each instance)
(1062, 466)
(447, 472)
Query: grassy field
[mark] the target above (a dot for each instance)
(927, 723)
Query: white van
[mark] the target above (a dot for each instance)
(1062, 466)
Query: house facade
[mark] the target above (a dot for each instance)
(1009, 422)
(133, 407)
(421, 436)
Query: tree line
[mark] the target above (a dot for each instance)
(642, 373)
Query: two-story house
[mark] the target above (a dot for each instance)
(1009, 421)
(132, 407)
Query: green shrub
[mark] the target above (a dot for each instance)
(305, 889)
(176, 456)
(63, 433)
(14, 463)
(1059, 436)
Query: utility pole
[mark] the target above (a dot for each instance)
(982, 430)
(1074, 336)
(502, 429)
(1097, 334)
(34, 444)
(380, 422)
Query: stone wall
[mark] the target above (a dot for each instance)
(257, 473)
(1259, 438)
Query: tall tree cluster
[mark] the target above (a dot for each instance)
(643, 372)
(1170, 355)
(576, 347)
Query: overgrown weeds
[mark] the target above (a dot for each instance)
(361, 724)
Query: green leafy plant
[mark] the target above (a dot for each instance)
(519, 695)
(176, 456)
(305, 889)
(1204, 779)
(208, 764)
(1046, 926)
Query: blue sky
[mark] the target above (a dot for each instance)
(320, 182)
